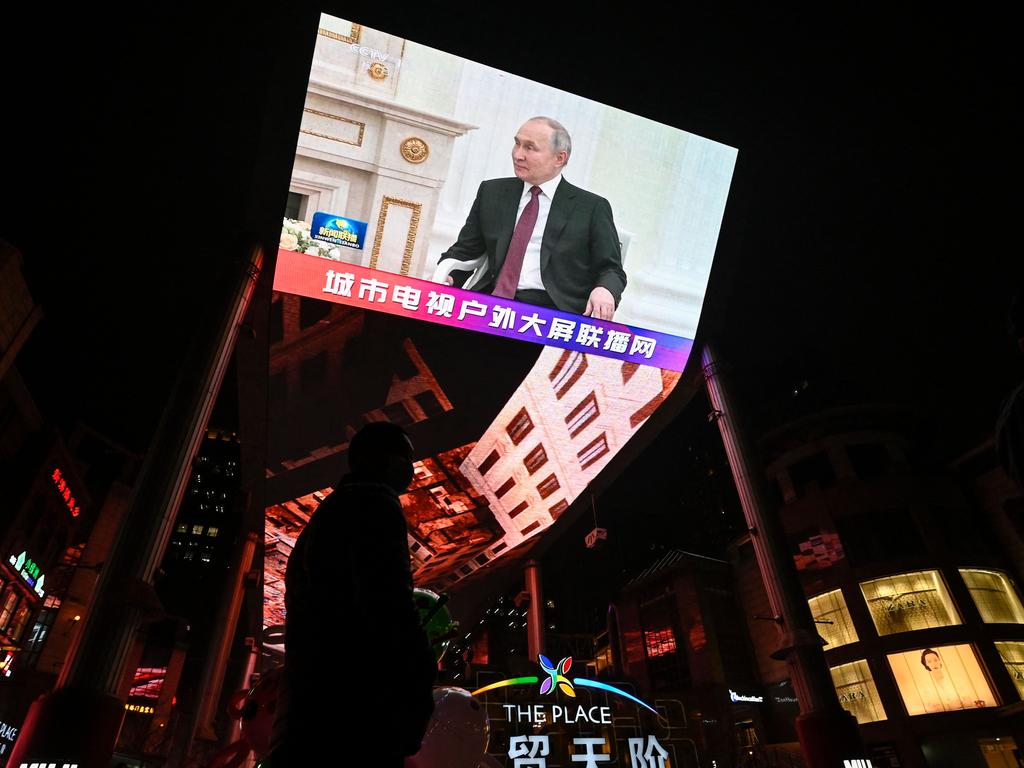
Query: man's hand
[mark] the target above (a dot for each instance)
(601, 304)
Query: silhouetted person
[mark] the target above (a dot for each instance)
(1010, 427)
(358, 667)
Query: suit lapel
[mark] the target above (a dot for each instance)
(562, 205)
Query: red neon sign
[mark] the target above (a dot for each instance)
(65, 492)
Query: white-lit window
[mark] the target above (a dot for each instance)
(909, 601)
(832, 619)
(1012, 654)
(212, 530)
(568, 369)
(945, 678)
(994, 595)
(857, 693)
(197, 530)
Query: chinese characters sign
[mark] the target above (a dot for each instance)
(29, 572)
(358, 286)
(61, 484)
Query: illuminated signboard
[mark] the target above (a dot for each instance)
(739, 697)
(1012, 654)
(61, 484)
(941, 679)
(856, 690)
(142, 709)
(832, 618)
(29, 572)
(8, 733)
(403, 292)
(534, 748)
(404, 174)
(909, 601)
(401, 174)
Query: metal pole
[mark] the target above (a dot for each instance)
(225, 625)
(828, 734)
(535, 613)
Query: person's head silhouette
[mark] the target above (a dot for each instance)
(382, 451)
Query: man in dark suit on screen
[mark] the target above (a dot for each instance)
(536, 237)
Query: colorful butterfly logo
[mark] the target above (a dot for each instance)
(556, 675)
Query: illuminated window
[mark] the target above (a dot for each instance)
(1012, 654)
(582, 415)
(909, 601)
(535, 459)
(505, 487)
(520, 507)
(628, 369)
(994, 595)
(659, 642)
(197, 530)
(832, 619)
(10, 601)
(181, 528)
(567, 371)
(857, 693)
(594, 450)
(548, 486)
(945, 678)
(666, 659)
(20, 620)
(490, 461)
(519, 427)
(212, 531)
(148, 682)
(205, 557)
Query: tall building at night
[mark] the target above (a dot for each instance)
(63, 498)
(913, 584)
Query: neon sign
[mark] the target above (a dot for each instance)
(733, 696)
(143, 709)
(61, 484)
(29, 572)
(555, 676)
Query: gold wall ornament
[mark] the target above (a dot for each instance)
(378, 71)
(415, 150)
(410, 238)
(357, 142)
(357, 31)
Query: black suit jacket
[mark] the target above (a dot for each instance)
(579, 250)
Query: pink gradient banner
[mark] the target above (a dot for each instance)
(344, 283)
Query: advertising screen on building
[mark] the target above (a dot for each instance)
(413, 172)
(942, 679)
(513, 274)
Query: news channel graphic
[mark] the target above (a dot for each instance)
(338, 230)
(410, 151)
(306, 275)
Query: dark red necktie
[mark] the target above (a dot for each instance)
(508, 280)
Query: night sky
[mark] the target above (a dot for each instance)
(868, 248)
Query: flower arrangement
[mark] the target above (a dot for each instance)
(295, 236)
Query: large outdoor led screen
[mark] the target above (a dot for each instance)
(393, 297)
